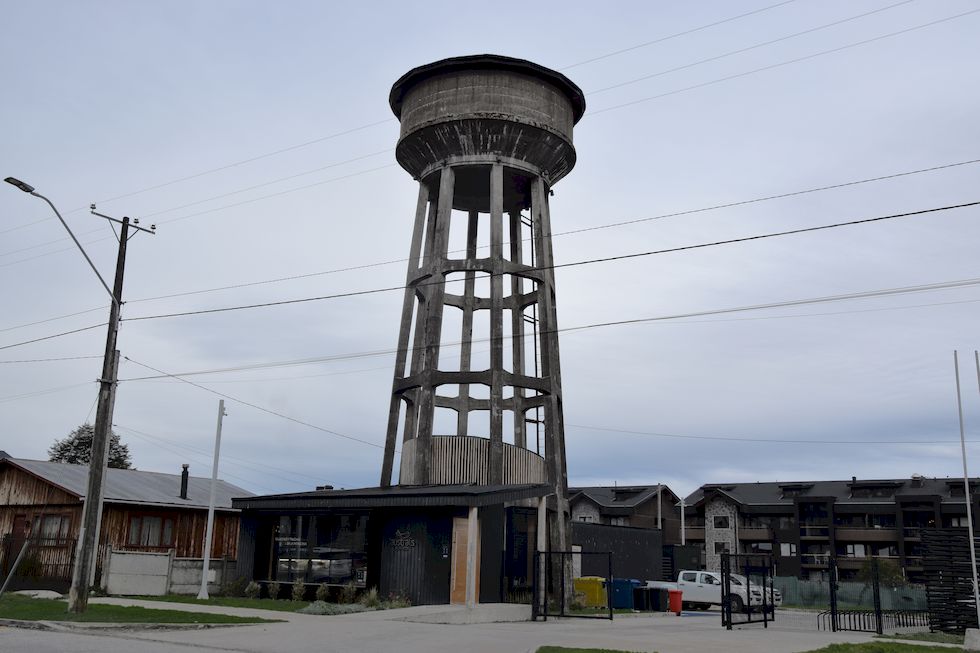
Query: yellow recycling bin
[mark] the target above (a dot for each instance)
(592, 591)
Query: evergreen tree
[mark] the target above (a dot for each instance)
(77, 449)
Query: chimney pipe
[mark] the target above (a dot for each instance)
(183, 481)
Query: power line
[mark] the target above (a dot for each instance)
(228, 459)
(256, 406)
(560, 233)
(591, 113)
(269, 183)
(235, 164)
(606, 259)
(946, 285)
(55, 335)
(595, 112)
(747, 49)
(675, 35)
(766, 440)
(38, 393)
(52, 319)
(47, 360)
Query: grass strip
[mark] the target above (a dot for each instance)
(939, 638)
(24, 608)
(882, 646)
(230, 602)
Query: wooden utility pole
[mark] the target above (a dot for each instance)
(87, 547)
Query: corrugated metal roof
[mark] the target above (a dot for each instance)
(134, 486)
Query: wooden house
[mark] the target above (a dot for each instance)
(142, 511)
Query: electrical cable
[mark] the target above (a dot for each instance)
(47, 360)
(607, 259)
(56, 335)
(560, 233)
(722, 311)
(257, 407)
(675, 35)
(38, 393)
(760, 440)
(685, 89)
(746, 49)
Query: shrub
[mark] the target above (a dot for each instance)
(370, 599)
(396, 601)
(299, 590)
(252, 590)
(322, 607)
(234, 587)
(273, 588)
(348, 593)
(322, 592)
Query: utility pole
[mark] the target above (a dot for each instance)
(209, 531)
(87, 548)
(683, 532)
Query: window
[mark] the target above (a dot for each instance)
(721, 521)
(761, 547)
(54, 527)
(721, 547)
(710, 579)
(151, 531)
(689, 576)
(958, 522)
(787, 550)
(590, 519)
(619, 521)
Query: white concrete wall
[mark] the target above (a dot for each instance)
(137, 573)
(156, 574)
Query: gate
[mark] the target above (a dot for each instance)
(46, 564)
(550, 584)
(853, 608)
(747, 590)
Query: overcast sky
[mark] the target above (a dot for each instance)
(258, 137)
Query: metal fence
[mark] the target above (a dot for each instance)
(46, 563)
(949, 579)
(747, 591)
(552, 585)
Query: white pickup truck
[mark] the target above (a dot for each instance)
(702, 589)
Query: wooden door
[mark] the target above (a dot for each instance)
(457, 583)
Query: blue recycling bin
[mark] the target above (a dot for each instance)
(622, 594)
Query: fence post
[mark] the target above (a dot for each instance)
(609, 587)
(875, 579)
(832, 577)
(563, 588)
(534, 586)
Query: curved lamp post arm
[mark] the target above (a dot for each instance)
(27, 188)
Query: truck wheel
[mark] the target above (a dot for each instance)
(736, 603)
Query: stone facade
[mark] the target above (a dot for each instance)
(719, 508)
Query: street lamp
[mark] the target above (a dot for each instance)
(85, 552)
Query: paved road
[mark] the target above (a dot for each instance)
(378, 632)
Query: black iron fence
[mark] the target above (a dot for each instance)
(46, 563)
(748, 594)
(554, 590)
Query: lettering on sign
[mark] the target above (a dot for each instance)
(403, 540)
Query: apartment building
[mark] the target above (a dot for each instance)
(804, 524)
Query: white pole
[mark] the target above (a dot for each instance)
(966, 487)
(683, 533)
(660, 525)
(209, 531)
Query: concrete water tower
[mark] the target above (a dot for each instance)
(477, 394)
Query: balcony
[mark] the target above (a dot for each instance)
(856, 562)
(755, 534)
(815, 559)
(865, 534)
(814, 532)
(913, 532)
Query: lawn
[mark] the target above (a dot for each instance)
(884, 647)
(941, 638)
(562, 649)
(231, 602)
(13, 606)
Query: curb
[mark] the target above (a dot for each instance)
(70, 626)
